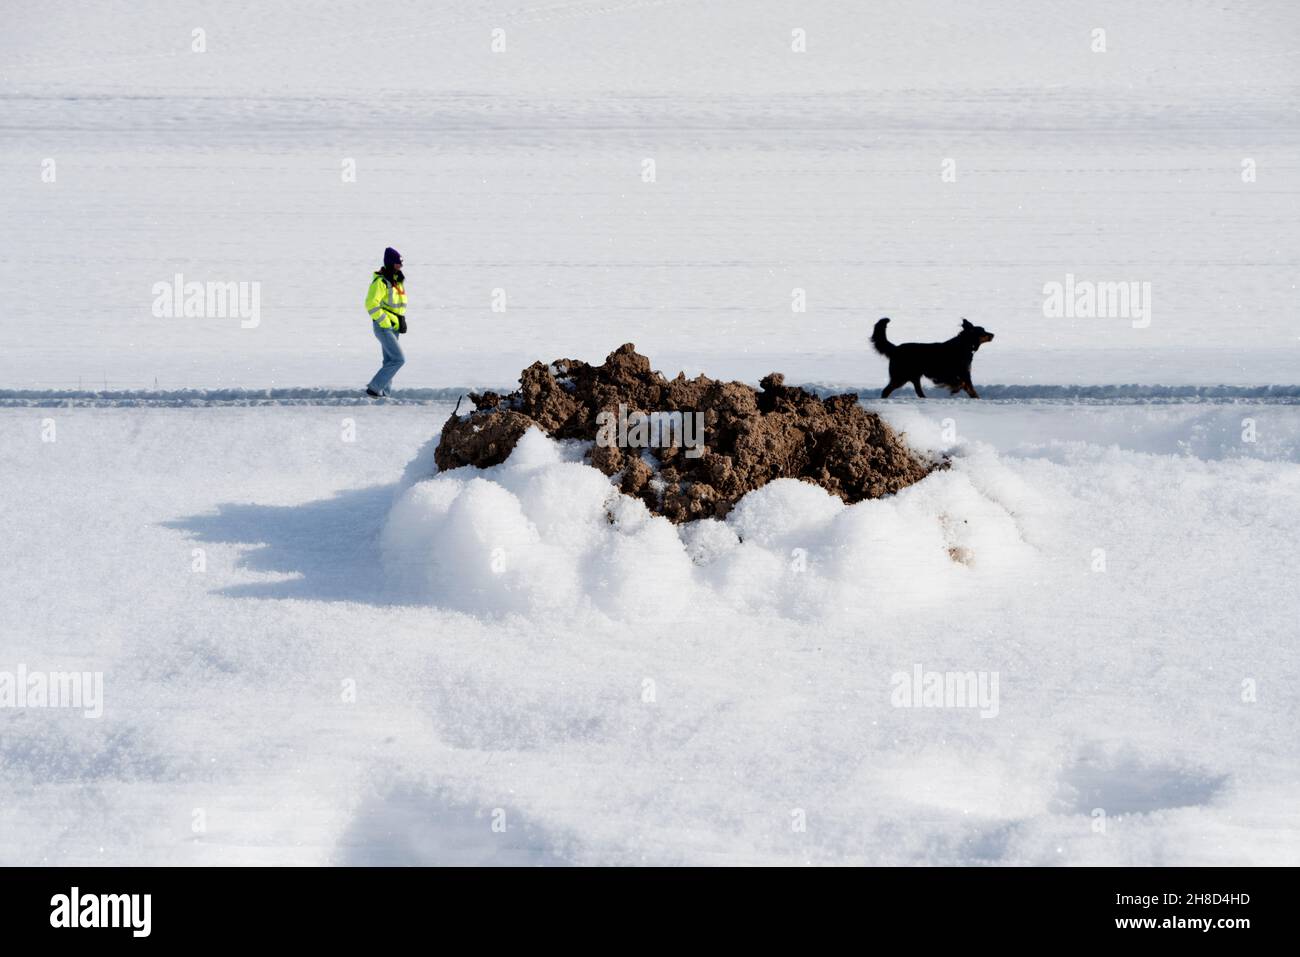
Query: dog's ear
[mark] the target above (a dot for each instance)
(965, 323)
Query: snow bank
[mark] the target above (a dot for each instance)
(545, 532)
(1144, 651)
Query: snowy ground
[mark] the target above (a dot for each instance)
(356, 669)
(775, 171)
(770, 690)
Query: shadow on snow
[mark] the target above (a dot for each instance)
(329, 546)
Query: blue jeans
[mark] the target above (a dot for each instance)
(393, 359)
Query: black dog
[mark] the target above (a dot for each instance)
(944, 363)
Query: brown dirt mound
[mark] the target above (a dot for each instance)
(750, 437)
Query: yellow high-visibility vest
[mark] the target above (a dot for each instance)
(385, 301)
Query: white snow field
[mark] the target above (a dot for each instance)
(774, 171)
(625, 693)
(314, 652)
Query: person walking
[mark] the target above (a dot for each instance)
(386, 303)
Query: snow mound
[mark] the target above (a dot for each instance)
(543, 532)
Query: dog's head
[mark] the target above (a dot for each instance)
(975, 335)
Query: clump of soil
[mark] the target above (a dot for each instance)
(750, 436)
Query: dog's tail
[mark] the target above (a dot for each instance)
(882, 344)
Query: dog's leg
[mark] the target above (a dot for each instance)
(916, 384)
(970, 390)
(893, 384)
